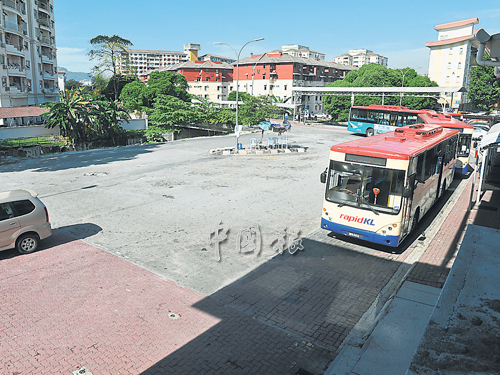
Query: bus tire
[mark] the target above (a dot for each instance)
(414, 222)
(369, 132)
(444, 189)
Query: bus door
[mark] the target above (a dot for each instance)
(439, 171)
(407, 206)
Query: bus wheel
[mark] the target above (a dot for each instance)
(414, 222)
(369, 132)
(444, 189)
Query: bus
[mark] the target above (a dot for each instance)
(378, 188)
(377, 119)
(448, 120)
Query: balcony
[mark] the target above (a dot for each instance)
(14, 5)
(13, 26)
(45, 40)
(14, 67)
(16, 49)
(45, 7)
(45, 22)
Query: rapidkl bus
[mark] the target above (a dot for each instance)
(448, 120)
(377, 119)
(378, 188)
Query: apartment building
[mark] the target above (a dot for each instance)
(210, 57)
(212, 80)
(360, 57)
(142, 61)
(28, 64)
(276, 73)
(451, 57)
(297, 50)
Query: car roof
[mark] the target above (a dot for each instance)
(20, 193)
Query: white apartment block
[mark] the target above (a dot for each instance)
(450, 57)
(296, 50)
(360, 57)
(28, 64)
(210, 57)
(142, 61)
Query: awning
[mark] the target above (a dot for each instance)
(13, 112)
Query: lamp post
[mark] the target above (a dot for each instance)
(402, 83)
(236, 128)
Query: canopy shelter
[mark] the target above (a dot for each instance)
(488, 147)
(24, 114)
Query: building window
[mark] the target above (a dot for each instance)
(459, 65)
(265, 87)
(285, 87)
(218, 88)
(263, 76)
(263, 66)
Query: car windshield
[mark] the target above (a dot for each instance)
(366, 187)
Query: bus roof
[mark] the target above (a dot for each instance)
(401, 144)
(444, 120)
(391, 108)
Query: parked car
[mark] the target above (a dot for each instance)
(24, 221)
(479, 131)
(321, 116)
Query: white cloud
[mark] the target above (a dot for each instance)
(74, 59)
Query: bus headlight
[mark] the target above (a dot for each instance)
(392, 229)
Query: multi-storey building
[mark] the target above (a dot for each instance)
(296, 50)
(360, 57)
(450, 57)
(141, 61)
(28, 63)
(212, 80)
(276, 73)
(210, 57)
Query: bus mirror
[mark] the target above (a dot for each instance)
(407, 192)
(322, 177)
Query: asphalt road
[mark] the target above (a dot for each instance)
(157, 205)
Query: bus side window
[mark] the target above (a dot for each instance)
(420, 168)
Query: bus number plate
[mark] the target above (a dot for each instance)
(355, 235)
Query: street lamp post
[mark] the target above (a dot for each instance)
(236, 128)
(402, 83)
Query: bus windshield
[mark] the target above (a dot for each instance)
(366, 187)
(464, 143)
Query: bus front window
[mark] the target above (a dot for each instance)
(464, 144)
(362, 186)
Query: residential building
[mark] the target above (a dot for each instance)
(360, 57)
(276, 73)
(28, 63)
(296, 50)
(451, 57)
(210, 57)
(141, 61)
(212, 80)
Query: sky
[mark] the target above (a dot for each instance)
(397, 30)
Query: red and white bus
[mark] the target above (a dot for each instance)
(378, 188)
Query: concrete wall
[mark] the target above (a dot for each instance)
(27, 132)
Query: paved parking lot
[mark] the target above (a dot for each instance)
(88, 297)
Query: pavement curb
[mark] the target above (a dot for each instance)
(349, 352)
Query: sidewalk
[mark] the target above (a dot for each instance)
(391, 345)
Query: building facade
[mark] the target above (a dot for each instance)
(360, 57)
(210, 57)
(212, 80)
(275, 74)
(28, 63)
(296, 50)
(450, 57)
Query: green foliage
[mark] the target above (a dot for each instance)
(84, 117)
(154, 133)
(376, 75)
(132, 95)
(166, 83)
(108, 50)
(256, 109)
(170, 111)
(484, 87)
(72, 84)
(212, 113)
(242, 96)
(116, 84)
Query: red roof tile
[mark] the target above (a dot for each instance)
(449, 41)
(451, 25)
(10, 112)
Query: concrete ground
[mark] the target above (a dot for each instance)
(128, 283)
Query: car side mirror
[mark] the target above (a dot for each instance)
(322, 176)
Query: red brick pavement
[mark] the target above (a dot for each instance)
(73, 305)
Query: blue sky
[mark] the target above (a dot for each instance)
(395, 29)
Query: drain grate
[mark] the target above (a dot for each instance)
(82, 371)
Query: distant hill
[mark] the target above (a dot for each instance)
(77, 76)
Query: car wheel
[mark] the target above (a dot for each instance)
(27, 243)
(369, 132)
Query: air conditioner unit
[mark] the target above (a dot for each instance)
(7, 88)
(3, 45)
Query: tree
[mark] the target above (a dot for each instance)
(116, 84)
(484, 87)
(256, 109)
(72, 84)
(108, 51)
(376, 75)
(241, 96)
(166, 84)
(170, 110)
(133, 95)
